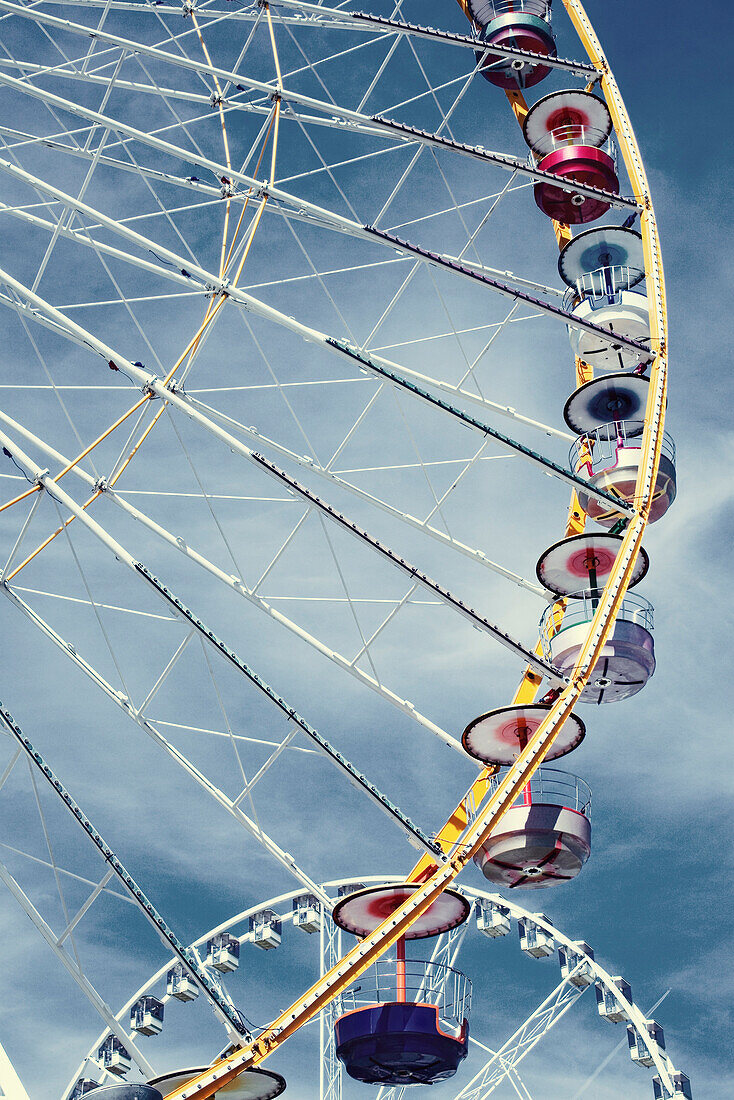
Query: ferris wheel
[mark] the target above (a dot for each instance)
(288, 338)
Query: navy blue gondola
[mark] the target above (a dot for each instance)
(407, 1023)
(399, 1044)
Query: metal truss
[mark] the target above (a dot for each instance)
(503, 1062)
(331, 1074)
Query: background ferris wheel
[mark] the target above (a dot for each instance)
(152, 808)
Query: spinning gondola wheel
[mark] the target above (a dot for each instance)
(269, 301)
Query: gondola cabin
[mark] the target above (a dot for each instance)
(608, 1004)
(522, 25)
(641, 1048)
(575, 965)
(544, 839)
(569, 137)
(307, 913)
(604, 269)
(681, 1088)
(407, 1021)
(627, 659)
(113, 1056)
(146, 1016)
(223, 952)
(493, 920)
(609, 459)
(535, 940)
(266, 929)
(180, 984)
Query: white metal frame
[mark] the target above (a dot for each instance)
(502, 1064)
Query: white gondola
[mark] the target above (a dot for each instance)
(307, 913)
(113, 1056)
(350, 888)
(609, 458)
(223, 952)
(627, 314)
(82, 1087)
(602, 267)
(180, 984)
(544, 839)
(534, 940)
(146, 1016)
(576, 965)
(266, 929)
(607, 1003)
(493, 920)
(640, 1047)
(681, 1088)
(627, 659)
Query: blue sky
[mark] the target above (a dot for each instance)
(653, 898)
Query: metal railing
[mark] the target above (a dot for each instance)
(425, 983)
(556, 788)
(484, 11)
(569, 134)
(581, 608)
(604, 286)
(598, 451)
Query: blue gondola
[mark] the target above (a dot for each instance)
(399, 1044)
(407, 1023)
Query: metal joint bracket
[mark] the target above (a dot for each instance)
(147, 388)
(101, 485)
(38, 479)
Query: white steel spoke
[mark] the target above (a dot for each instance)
(388, 619)
(76, 972)
(165, 673)
(52, 858)
(281, 550)
(236, 736)
(21, 534)
(122, 701)
(85, 907)
(64, 871)
(92, 602)
(245, 792)
(204, 494)
(9, 767)
(88, 603)
(352, 608)
(236, 585)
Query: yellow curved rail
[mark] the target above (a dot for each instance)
(368, 950)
